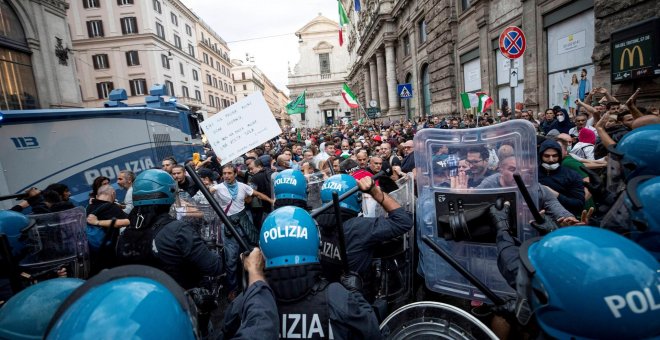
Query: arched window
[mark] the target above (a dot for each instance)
(18, 90)
(410, 113)
(426, 90)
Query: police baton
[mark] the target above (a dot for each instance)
(528, 199)
(466, 273)
(340, 231)
(214, 204)
(16, 196)
(318, 211)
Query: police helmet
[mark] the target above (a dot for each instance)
(638, 152)
(642, 196)
(289, 236)
(12, 224)
(26, 314)
(602, 279)
(341, 184)
(290, 184)
(128, 302)
(154, 187)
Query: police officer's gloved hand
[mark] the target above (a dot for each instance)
(506, 310)
(351, 281)
(499, 215)
(597, 188)
(546, 226)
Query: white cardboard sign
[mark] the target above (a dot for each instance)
(241, 127)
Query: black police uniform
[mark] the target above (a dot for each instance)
(310, 307)
(252, 315)
(362, 235)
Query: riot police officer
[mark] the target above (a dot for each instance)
(309, 306)
(362, 234)
(290, 189)
(155, 238)
(602, 279)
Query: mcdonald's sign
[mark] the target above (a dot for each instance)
(635, 51)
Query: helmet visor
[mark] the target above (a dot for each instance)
(615, 176)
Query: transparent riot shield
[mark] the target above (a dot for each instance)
(56, 241)
(392, 261)
(433, 320)
(456, 190)
(198, 213)
(314, 184)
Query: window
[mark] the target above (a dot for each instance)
(132, 58)
(184, 92)
(211, 62)
(198, 95)
(243, 75)
(465, 4)
(231, 91)
(211, 101)
(129, 25)
(157, 6)
(138, 87)
(177, 41)
(191, 50)
(124, 2)
(175, 19)
(244, 87)
(165, 60)
(170, 88)
(160, 31)
(422, 31)
(95, 28)
(215, 82)
(406, 45)
(226, 89)
(104, 88)
(91, 3)
(324, 63)
(217, 65)
(206, 58)
(224, 71)
(181, 69)
(100, 61)
(217, 102)
(209, 80)
(426, 90)
(188, 30)
(195, 75)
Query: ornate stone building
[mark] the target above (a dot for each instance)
(36, 66)
(446, 47)
(321, 71)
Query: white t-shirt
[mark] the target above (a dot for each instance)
(223, 197)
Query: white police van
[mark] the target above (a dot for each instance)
(74, 146)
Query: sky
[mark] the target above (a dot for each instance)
(249, 19)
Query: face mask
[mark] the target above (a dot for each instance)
(550, 166)
(569, 148)
(561, 118)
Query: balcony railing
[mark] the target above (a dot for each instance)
(319, 77)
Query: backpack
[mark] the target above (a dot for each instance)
(135, 244)
(98, 237)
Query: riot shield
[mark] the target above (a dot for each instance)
(197, 213)
(456, 189)
(392, 260)
(56, 241)
(433, 320)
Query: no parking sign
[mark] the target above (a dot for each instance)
(512, 42)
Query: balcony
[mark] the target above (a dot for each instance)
(317, 78)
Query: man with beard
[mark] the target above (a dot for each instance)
(564, 183)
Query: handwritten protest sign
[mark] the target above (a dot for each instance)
(241, 127)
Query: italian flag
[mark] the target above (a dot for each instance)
(343, 21)
(349, 97)
(479, 100)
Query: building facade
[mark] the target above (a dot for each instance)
(135, 44)
(35, 56)
(321, 72)
(248, 78)
(213, 55)
(444, 48)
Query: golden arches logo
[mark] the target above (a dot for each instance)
(631, 56)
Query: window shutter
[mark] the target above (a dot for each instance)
(132, 83)
(85, 5)
(119, 2)
(101, 28)
(124, 26)
(144, 86)
(89, 29)
(99, 90)
(106, 60)
(95, 61)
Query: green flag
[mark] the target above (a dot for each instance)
(297, 106)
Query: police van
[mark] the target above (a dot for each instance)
(74, 146)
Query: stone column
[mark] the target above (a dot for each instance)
(373, 80)
(391, 76)
(367, 85)
(382, 81)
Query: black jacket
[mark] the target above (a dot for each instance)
(567, 182)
